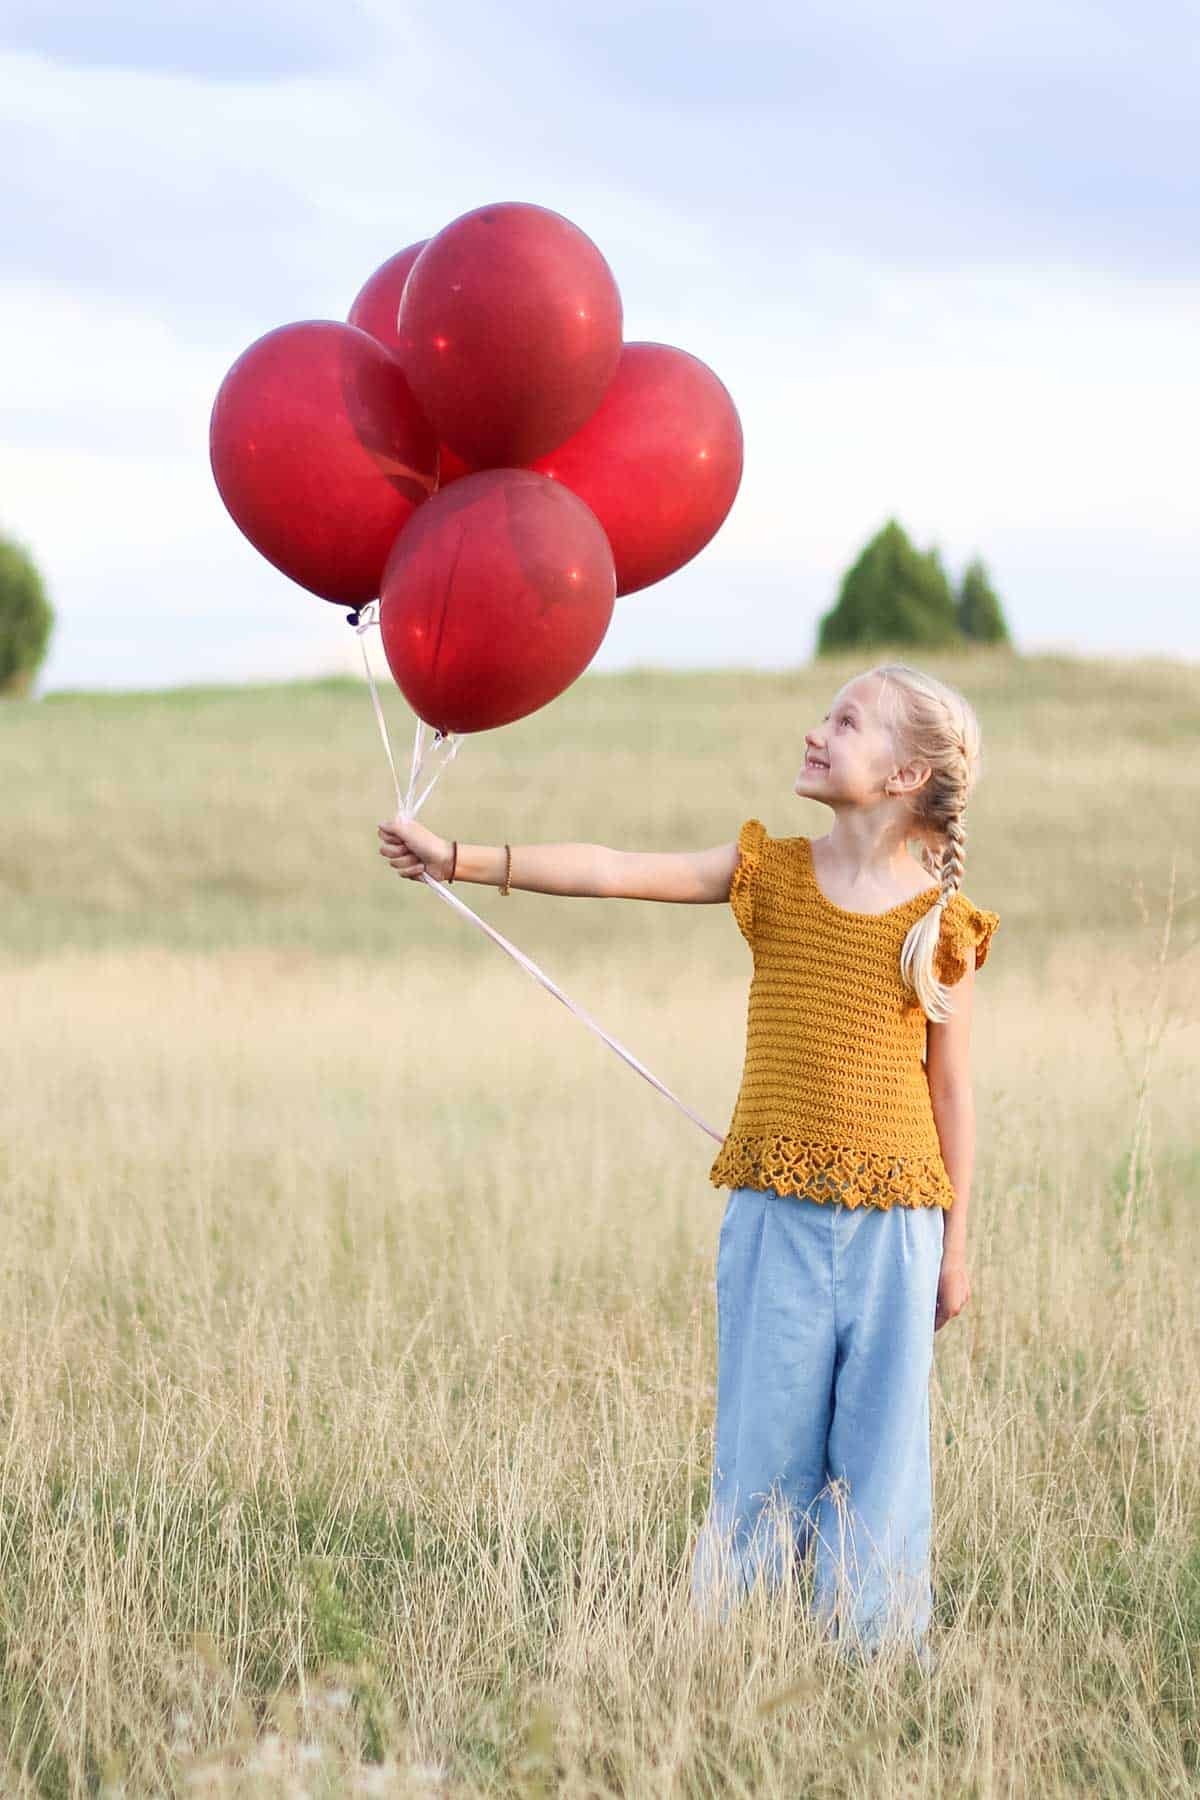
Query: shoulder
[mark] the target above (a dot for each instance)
(962, 909)
(757, 871)
(751, 837)
(965, 937)
(756, 847)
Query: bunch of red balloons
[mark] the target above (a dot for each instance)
(478, 448)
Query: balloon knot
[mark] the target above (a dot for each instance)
(363, 617)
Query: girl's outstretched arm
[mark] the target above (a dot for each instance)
(591, 870)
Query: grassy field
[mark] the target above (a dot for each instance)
(357, 1367)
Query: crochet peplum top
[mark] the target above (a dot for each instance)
(834, 1103)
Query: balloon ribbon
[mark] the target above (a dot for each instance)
(408, 808)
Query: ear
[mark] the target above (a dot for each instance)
(908, 779)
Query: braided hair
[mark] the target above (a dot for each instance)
(932, 723)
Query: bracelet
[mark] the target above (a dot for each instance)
(507, 867)
(453, 864)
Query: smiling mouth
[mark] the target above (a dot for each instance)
(809, 764)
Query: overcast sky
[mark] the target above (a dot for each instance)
(945, 259)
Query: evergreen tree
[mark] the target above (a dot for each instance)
(26, 618)
(980, 614)
(894, 594)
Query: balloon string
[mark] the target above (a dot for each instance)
(408, 809)
(363, 620)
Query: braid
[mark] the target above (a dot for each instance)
(954, 858)
(935, 725)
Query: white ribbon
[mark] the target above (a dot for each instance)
(408, 808)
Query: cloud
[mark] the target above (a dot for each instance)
(90, 373)
(926, 135)
(236, 188)
(253, 39)
(170, 192)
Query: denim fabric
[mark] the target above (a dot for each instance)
(825, 1341)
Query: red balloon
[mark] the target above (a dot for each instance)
(321, 455)
(451, 467)
(659, 462)
(375, 307)
(495, 597)
(378, 299)
(510, 332)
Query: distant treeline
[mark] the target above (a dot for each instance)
(896, 593)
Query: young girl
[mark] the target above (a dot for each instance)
(850, 1151)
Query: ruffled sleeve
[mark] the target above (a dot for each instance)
(741, 888)
(966, 930)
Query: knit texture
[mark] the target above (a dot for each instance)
(834, 1103)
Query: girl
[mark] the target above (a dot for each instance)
(849, 1155)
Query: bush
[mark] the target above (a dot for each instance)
(26, 618)
(893, 594)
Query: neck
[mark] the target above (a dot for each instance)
(863, 843)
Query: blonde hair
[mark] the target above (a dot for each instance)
(932, 723)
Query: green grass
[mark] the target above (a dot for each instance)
(207, 817)
(357, 1351)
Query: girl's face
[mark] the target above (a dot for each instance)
(850, 754)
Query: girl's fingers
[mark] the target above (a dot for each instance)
(404, 864)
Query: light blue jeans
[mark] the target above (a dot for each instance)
(825, 1341)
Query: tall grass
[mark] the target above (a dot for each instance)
(357, 1362)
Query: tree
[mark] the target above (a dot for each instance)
(980, 614)
(894, 593)
(26, 618)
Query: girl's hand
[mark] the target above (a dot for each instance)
(412, 849)
(954, 1290)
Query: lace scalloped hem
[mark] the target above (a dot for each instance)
(831, 1172)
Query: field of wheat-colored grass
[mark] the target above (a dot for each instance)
(357, 1359)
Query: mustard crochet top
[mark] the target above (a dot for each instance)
(834, 1102)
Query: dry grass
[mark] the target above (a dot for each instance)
(358, 1360)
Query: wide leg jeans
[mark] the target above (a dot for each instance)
(825, 1343)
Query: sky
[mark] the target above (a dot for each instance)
(944, 258)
